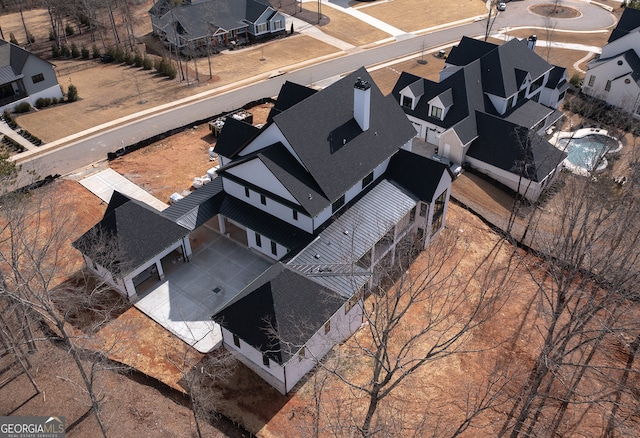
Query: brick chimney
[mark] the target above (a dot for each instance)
(362, 103)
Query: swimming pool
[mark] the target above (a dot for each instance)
(586, 149)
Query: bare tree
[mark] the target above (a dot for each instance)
(428, 314)
(35, 236)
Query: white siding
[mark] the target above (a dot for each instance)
(270, 135)
(256, 173)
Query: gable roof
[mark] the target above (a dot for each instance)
(629, 22)
(198, 20)
(279, 312)
(289, 95)
(12, 61)
(198, 207)
(234, 136)
(508, 146)
(134, 231)
(417, 174)
(332, 147)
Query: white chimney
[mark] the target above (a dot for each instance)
(362, 103)
(531, 42)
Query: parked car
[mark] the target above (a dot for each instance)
(502, 6)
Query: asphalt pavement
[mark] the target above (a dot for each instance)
(75, 152)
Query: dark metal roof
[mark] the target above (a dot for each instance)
(332, 255)
(135, 232)
(279, 312)
(323, 133)
(285, 234)
(198, 207)
(527, 113)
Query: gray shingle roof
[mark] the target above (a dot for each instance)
(136, 232)
(198, 207)
(323, 133)
(509, 147)
(279, 312)
(629, 22)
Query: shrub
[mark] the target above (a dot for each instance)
(147, 64)
(55, 51)
(68, 30)
(128, 58)
(72, 93)
(576, 80)
(64, 51)
(95, 52)
(12, 39)
(75, 52)
(22, 107)
(137, 59)
(111, 51)
(84, 52)
(54, 101)
(40, 103)
(52, 36)
(118, 54)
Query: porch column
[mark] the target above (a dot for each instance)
(223, 228)
(130, 289)
(160, 270)
(393, 244)
(372, 261)
(186, 248)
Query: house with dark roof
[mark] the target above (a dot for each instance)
(489, 110)
(129, 242)
(205, 25)
(328, 190)
(24, 77)
(614, 75)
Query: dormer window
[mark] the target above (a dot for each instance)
(436, 112)
(536, 84)
(407, 102)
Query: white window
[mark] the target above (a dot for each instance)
(277, 25)
(436, 112)
(407, 102)
(261, 28)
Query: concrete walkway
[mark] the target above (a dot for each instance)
(102, 184)
(6, 130)
(372, 21)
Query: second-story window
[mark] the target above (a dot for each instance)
(436, 112)
(274, 248)
(263, 200)
(407, 102)
(258, 240)
(295, 215)
(367, 180)
(592, 80)
(338, 204)
(246, 192)
(608, 86)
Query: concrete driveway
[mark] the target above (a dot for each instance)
(191, 292)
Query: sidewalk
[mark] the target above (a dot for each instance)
(6, 130)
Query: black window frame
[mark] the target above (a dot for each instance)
(338, 204)
(236, 340)
(258, 240)
(274, 248)
(37, 78)
(263, 200)
(367, 180)
(247, 193)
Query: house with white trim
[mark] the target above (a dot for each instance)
(330, 191)
(490, 110)
(614, 75)
(204, 25)
(24, 77)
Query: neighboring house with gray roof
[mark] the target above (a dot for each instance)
(24, 77)
(328, 190)
(614, 75)
(508, 87)
(205, 25)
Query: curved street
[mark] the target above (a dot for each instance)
(67, 155)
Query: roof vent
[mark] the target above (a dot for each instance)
(345, 232)
(317, 256)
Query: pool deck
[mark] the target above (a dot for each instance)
(581, 133)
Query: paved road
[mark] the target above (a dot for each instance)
(95, 148)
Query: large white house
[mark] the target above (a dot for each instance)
(24, 77)
(328, 190)
(488, 111)
(614, 75)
